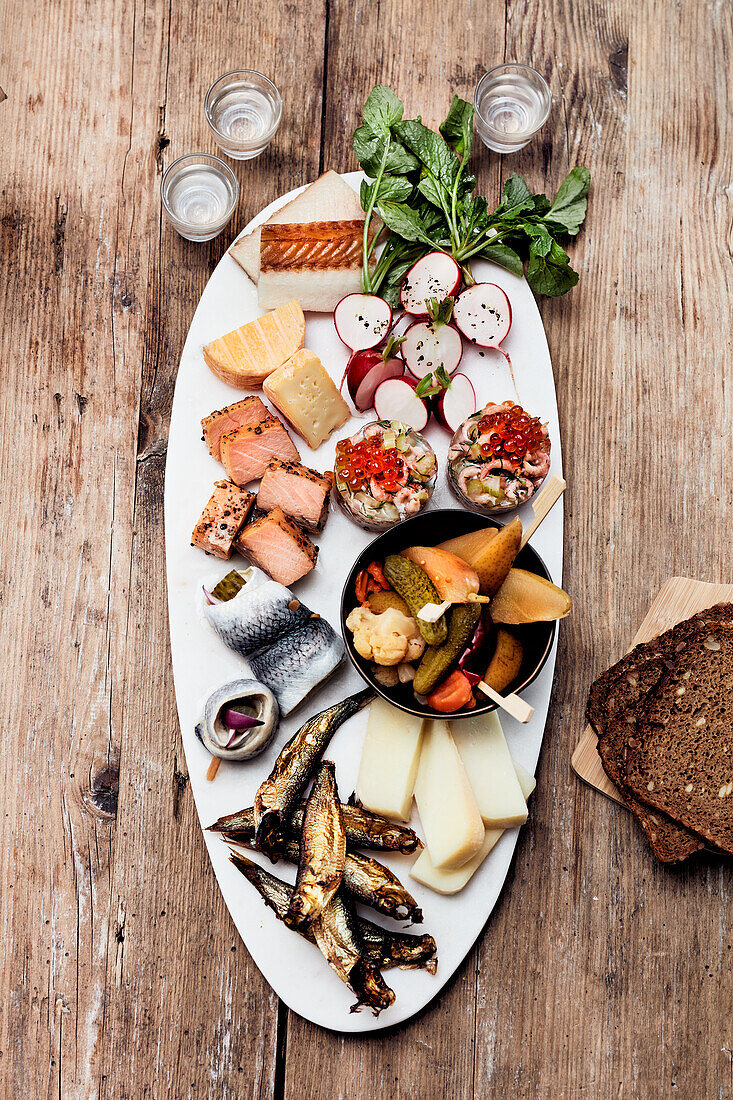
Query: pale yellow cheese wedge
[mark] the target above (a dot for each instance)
(389, 761)
(450, 882)
(449, 814)
(483, 749)
(305, 394)
(526, 781)
(245, 356)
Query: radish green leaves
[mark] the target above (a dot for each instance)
(420, 186)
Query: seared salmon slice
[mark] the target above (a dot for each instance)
(278, 546)
(222, 519)
(246, 451)
(245, 356)
(250, 410)
(302, 493)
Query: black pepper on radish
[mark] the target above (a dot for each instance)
(484, 315)
(362, 320)
(436, 275)
(434, 342)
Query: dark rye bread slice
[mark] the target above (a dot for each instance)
(613, 702)
(680, 759)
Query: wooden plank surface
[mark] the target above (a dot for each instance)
(600, 973)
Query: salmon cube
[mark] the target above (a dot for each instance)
(222, 519)
(250, 410)
(278, 546)
(302, 493)
(246, 451)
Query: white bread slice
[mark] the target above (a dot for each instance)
(330, 198)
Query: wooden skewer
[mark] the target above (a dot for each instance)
(547, 497)
(512, 704)
(213, 768)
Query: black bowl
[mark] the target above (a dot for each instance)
(429, 529)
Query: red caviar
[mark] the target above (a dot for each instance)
(511, 432)
(357, 463)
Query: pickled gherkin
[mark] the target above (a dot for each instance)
(229, 585)
(416, 589)
(437, 660)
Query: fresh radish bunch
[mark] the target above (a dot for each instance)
(483, 314)
(369, 367)
(433, 343)
(362, 320)
(397, 399)
(452, 400)
(436, 275)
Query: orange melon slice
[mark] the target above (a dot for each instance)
(245, 357)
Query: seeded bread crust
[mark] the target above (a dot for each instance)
(680, 758)
(613, 705)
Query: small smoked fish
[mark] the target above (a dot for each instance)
(364, 829)
(369, 881)
(337, 932)
(294, 767)
(386, 948)
(322, 851)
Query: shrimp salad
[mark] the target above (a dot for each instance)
(498, 458)
(384, 473)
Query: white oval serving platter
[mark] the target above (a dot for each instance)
(293, 967)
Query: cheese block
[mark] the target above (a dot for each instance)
(449, 813)
(244, 357)
(480, 742)
(450, 882)
(305, 394)
(526, 781)
(389, 761)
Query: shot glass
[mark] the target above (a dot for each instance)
(243, 109)
(199, 193)
(512, 104)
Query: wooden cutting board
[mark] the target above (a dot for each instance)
(677, 600)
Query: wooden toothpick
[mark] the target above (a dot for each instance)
(512, 704)
(547, 497)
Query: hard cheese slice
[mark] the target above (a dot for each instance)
(483, 749)
(445, 801)
(389, 761)
(305, 394)
(450, 882)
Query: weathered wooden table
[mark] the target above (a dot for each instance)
(600, 974)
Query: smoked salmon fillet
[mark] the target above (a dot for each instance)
(246, 451)
(244, 357)
(250, 410)
(302, 493)
(222, 519)
(278, 546)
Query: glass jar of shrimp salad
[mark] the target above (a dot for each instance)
(384, 473)
(498, 458)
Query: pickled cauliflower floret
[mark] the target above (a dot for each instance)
(388, 638)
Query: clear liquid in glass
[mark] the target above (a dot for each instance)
(200, 199)
(512, 104)
(244, 111)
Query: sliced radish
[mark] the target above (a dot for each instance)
(396, 399)
(362, 320)
(436, 275)
(366, 369)
(429, 345)
(484, 315)
(456, 403)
